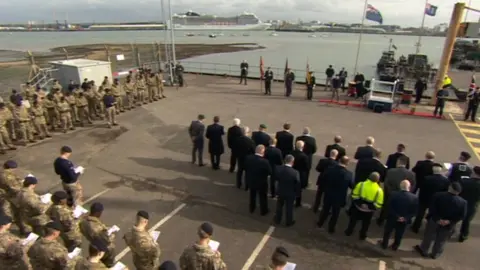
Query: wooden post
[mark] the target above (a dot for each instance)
(455, 21)
(108, 56)
(137, 57)
(158, 55)
(134, 61)
(34, 69)
(65, 53)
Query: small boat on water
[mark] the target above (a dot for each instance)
(246, 34)
(189, 34)
(212, 36)
(273, 34)
(312, 36)
(233, 35)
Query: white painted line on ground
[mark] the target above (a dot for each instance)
(259, 248)
(382, 265)
(154, 227)
(96, 196)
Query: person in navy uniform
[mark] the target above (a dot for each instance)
(442, 95)
(257, 171)
(233, 133)
(261, 136)
(367, 151)
(338, 179)
(337, 140)
(343, 74)
(275, 158)
(285, 140)
(461, 168)
(420, 87)
(366, 166)
(196, 132)
(244, 146)
(392, 158)
(302, 166)
(323, 165)
(329, 72)
(431, 184)
(66, 170)
(471, 194)
(473, 102)
(288, 188)
(243, 72)
(402, 207)
(446, 210)
(310, 85)
(268, 77)
(214, 135)
(310, 147)
(423, 168)
(289, 79)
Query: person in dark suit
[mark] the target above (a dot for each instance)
(338, 179)
(285, 140)
(461, 168)
(310, 147)
(367, 151)
(274, 157)
(196, 132)
(233, 133)
(337, 140)
(402, 208)
(261, 136)
(445, 211)
(392, 158)
(288, 188)
(366, 166)
(422, 169)
(471, 194)
(214, 134)
(301, 165)
(323, 165)
(257, 171)
(244, 146)
(432, 184)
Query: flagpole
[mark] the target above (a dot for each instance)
(419, 42)
(360, 37)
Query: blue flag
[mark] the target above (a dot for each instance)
(431, 10)
(373, 14)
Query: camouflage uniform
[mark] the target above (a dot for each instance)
(159, 81)
(4, 136)
(92, 228)
(49, 254)
(145, 250)
(52, 114)
(152, 87)
(57, 87)
(10, 187)
(140, 85)
(12, 255)
(32, 210)
(91, 102)
(8, 116)
(99, 101)
(199, 257)
(24, 119)
(71, 100)
(70, 233)
(29, 93)
(117, 94)
(87, 265)
(64, 111)
(82, 109)
(40, 123)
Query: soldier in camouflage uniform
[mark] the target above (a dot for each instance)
(12, 254)
(96, 251)
(57, 87)
(52, 114)
(29, 92)
(92, 228)
(159, 81)
(106, 82)
(145, 250)
(4, 136)
(90, 95)
(129, 87)
(61, 213)
(199, 255)
(10, 187)
(39, 120)
(99, 99)
(24, 119)
(82, 109)
(7, 114)
(64, 110)
(141, 88)
(48, 252)
(71, 100)
(116, 91)
(32, 209)
(152, 87)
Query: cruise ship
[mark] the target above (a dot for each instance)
(192, 21)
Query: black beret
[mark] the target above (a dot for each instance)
(143, 214)
(66, 149)
(30, 180)
(476, 170)
(10, 164)
(54, 225)
(96, 207)
(99, 245)
(282, 251)
(4, 220)
(2, 105)
(59, 195)
(167, 265)
(465, 155)
(456, 186)
(201, 116)
(207, 228)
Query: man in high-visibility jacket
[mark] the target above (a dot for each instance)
(447, 82)
(367, 197)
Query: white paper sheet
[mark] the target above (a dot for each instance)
(118, 266)
(79, 169)
(31, 238)
(113, 229)
(46, 198)
(155, 235)
(290, 266)
(78, 211)
(447, 165)
(213, 245)
(77, 251)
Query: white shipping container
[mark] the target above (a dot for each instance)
(80, 69)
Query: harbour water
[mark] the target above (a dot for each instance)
(337, 49)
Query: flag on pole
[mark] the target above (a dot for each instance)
(308, 76)
(262, 71)
(373, 14)
(430, 10)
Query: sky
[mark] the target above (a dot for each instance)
(398, 12)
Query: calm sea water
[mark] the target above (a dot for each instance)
(337, 49)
